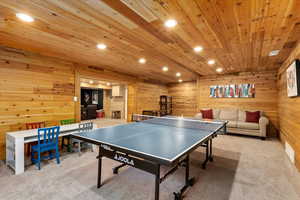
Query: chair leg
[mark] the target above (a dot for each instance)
(39, 160)
(57, 155)
(28, 148)
(62, 143)
(71, 145)
(50, 155)
(32, 157)
(69, 149)
(79, 148)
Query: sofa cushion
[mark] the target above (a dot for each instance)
(231, 124)
(198, 116)
(207, 114)
(242, 116)
(216, 113)
(252, 116)
(248, 125)
(229, 114)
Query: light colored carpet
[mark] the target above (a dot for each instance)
(243, 169)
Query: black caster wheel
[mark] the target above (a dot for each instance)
(115, 171)
(177, 196)
(191, 181)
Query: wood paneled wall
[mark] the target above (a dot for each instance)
(289, 110)
(33, 89)
(36, 88)
(147, 96)
(184, 98)
(265, 97)
(190, 97)
(143, 96)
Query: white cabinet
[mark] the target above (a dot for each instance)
(117, 91)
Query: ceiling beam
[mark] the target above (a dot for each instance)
(137, 19)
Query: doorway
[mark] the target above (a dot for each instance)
(101, 99)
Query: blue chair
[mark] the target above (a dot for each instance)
(47, 141)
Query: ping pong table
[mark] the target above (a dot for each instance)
(150, 142)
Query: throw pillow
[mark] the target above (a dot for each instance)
(207, 114)
(252, 116)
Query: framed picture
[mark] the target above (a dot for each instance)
(293, 79)
(95, 97)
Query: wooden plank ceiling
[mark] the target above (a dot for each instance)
(238, 34)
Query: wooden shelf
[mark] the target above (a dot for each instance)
(165, 105)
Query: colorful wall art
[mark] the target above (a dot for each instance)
(232, 91)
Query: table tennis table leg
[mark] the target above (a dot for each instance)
(210, 151)
(188, 181)
(207, 149)
(99, 168)
(157, 182)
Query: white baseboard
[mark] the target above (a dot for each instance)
(290, 152)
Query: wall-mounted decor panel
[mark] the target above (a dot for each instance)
(232, 91)
(293, 79)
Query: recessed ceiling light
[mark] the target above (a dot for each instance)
(170, 23)
(219, 70)
(274, 53)
(198, 48)
(142, 60)
(24, 17)
(165, 68)
(178, 74)
(101, 46)
(211, 62)
(91, 82)
(180, 80)
(108, 84)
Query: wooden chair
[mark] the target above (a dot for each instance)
(66, 122)
(29, 126)
(84, 127)
(47, 142)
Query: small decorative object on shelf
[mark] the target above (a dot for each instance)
(165, 105)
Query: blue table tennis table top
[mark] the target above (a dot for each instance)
(160, 141)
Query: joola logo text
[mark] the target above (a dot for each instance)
(124, 159)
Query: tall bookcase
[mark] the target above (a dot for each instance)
(165, 105)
